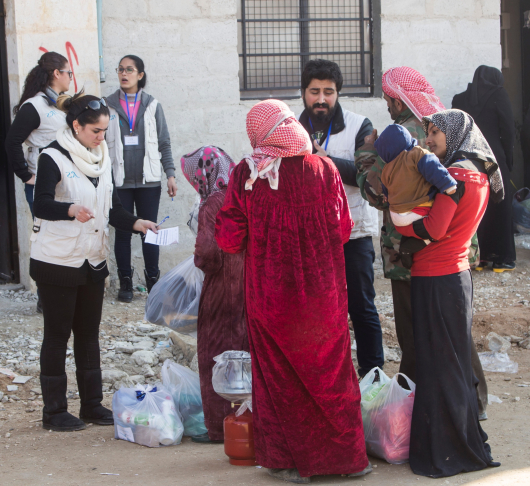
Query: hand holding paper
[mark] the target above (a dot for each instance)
(164, 237)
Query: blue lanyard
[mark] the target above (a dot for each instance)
(129, 117)
(327, 138)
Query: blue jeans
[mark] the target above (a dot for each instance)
(146, 200)
(28, 189)
(359, 255)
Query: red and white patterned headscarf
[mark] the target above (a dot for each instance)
(274, 132)
(208, 170)
(408, 85)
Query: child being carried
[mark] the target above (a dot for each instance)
(411, 178)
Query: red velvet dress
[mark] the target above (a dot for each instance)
(221, 321)
(306, 400)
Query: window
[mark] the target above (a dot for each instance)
(278, 37)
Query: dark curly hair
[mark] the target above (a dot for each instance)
(321, 69)
(75, 108)
(40, 76)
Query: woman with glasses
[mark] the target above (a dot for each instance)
(75, 201)
(37, 119)
(139, 147)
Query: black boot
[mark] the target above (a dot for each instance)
(91, 394)
(150, 281)
(55, 415)
(125, 294)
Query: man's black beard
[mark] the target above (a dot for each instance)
(321, 119)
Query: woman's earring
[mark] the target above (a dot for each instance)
(76, 132)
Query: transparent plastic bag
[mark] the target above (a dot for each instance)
(174, 299)
(185, 388)
(387, 415)
(499, 362)
(146, 415)
(232, 377)
(370, 389)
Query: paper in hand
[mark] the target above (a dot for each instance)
(164, 237)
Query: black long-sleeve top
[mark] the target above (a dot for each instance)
(46, 207)
(25, 122)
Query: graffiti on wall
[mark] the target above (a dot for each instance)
(70, 50)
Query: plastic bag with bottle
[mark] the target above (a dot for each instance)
(174, 299)
(387, 415)
(185, 388)
(232, 378)
(146, 415)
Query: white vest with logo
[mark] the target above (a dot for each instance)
(51, 119)
(342, 145)
(152, 166)
(70, 243)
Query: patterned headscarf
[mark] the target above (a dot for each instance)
(208, 170)
(274, 132)
(410, 87)
(464, 139)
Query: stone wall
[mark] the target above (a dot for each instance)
(32, 28)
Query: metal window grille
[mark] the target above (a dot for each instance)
(278, 37)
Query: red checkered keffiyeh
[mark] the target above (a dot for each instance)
(274, 133)
(408, 85)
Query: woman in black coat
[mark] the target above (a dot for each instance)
(488, 103)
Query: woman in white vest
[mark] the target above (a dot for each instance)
(139, 147)
(75, 201)
(37, 118)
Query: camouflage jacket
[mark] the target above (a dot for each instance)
(369, 168)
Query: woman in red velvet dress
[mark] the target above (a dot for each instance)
(288, 210)
(221, 321)
(446, 437)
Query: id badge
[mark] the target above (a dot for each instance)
(130, 140)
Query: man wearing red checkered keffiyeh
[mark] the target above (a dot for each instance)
(274, 132)
(410, 87)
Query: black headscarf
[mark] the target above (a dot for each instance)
(486, 81)
(464, 139)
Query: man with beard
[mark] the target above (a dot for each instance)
(409, 97)
(337, 134)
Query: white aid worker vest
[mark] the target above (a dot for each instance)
(152, 167)
(70, 243)
(342, 146)
(51, 119)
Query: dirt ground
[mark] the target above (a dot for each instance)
(31, 455)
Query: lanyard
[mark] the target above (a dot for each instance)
(327, 138)
(129, 117)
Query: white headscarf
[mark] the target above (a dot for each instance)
(91, 162)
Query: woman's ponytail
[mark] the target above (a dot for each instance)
(40, 76)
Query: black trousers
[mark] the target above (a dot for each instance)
(446, 437)
(359, 255)
(405, 336)
(67, 309)
(146, 200)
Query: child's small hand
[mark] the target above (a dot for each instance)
(451, 190)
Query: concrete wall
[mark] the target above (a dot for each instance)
(190, 51)
(33, 26)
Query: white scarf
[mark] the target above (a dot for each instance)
(92, 162)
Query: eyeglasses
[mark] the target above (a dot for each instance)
(128, 70)
(70, 73)
(94, 105)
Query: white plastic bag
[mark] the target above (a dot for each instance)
(499, 362)
(387, 415)
(185, 387)
(174, 299)
(146, 415)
